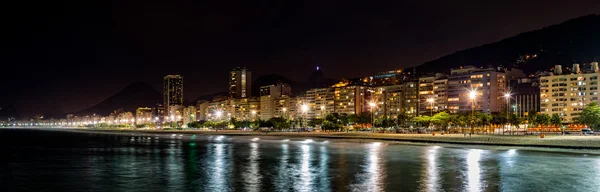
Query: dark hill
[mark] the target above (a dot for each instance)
(129, 99)
(575, 40)
(208, 97)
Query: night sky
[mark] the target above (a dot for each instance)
(66, 56)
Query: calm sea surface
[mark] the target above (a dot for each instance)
(42, 160)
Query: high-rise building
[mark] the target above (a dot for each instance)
(173, 96)
(433, 94)
(320, 102)
(269, 95)
(410, 97)
(240, 83)
(387, 100)
(350, 99)
(488, 85)
(282, 107)
(525, 96)
(568, 94)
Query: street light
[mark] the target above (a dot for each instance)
(430, 101)
(304, 109)
(283, 110)
(218, 114)
(507, 96)
(372, 106)
(472, 96)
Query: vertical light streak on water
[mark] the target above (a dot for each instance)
(473, 170)
(305, 175)
(432, 177)
(509, 171)
(252, 175)
(324, 173)
(174, 164)
(372, 179)
(217, 172)
(283, 176)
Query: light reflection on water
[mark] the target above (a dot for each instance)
(432, 173)
(372, 176)
(324, 171)
(305, 174)
(217, 168)
(113, 163)
(473, 181)
(252, 176)
(283, 178)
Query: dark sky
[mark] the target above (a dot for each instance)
(66, 56)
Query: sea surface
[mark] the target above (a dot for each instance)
(50, 160)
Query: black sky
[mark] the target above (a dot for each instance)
(68, 55)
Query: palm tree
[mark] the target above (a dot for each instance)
(543, 119)
(516, 121)
(557, 121)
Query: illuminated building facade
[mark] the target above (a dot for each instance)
(240, 83)
(350, 99)
(386, 78)
(489, 85)
(568, 94)
(269, 95)
(320, 102)
(143, 115)
(525, 95)
(173, 97)
(433, 95)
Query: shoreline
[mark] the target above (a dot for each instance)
(551, 141)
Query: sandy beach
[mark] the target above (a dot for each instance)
(552, 141)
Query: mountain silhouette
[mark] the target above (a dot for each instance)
(575, 40)
(208, 97)
(135, 95)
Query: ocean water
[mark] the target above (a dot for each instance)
(45, 160)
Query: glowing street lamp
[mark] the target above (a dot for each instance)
(472, 96)
(507, 96)
(304, 109)
(430, 101)
(372, 106)
(218, 114)
(283, 110)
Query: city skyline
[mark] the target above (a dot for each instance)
(386, 95)
(187, 95)
(104, 55)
